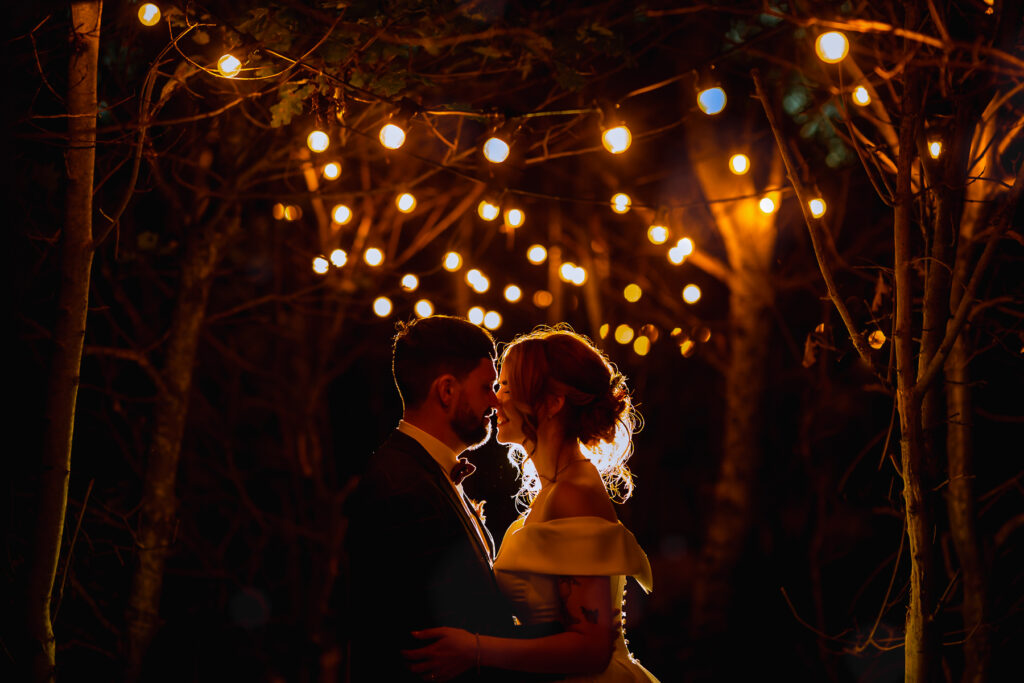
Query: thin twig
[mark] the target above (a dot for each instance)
(71, 551)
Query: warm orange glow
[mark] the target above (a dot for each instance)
(687, 347)
(767, 205)
(149, 14)
(817, 207)
(691, 294)
(632, 292)
(452, 261)
(832, 47)
(292, 213)
(373, 256)
(423, 308)
(410, 282)
(382, 306)
(341, 214)
(321, 265)
(657, 234)
(339, 258)
(487, 211)
(617, 140)
(332, 170)
(513, 294)
(934, 149)
(542, 298)
(492, 320)
(496, 150)
(711, 101)
(278, 211)
(876, 339)
(405, 202)
(641, 345)
(686, 245)
(318, 141)
(573, 274)
(478, 281)
(621, 202)
(861, 96)
(514, 218)
(676, 255)
(391, 136)
(603, 330)
(623, 334)
(229, 66)
(536, 254)
(476, 315)
(739, 163)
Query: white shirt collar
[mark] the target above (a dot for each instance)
(438, 450)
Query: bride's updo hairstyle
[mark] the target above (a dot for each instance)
(598, 410)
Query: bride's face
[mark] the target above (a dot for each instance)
(509, 420)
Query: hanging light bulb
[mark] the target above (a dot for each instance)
(318, 141)
(487, 211)
(514, 218)
(616, 139)
(513, 294)
(476, 315)
(321, 265)
(621, 202)
(452, 261)
(496, 150)
(149, 14)
(392, 136)
(339, 258)
(410, 282)
(229, 66)
(341, 214)
(861, 96)
(632, 293)
(832, 47)
(382, 306)
(536, 254)
(657, 234)
(691, 294)
(492, 320)
(405, 202)
(332, 170)
(767, 205)
(373, 256)
(739, 164)
(423, 308)
(934, 149)
(711, 100)
(817, 207)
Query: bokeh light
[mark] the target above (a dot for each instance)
(492, 320)
(496, 150)
(149, 14)
(487, 211)
(861, 96)
(691, 294)
(632, 292)
(617, 139)
(641, 345)
(341, 214)
(876, 339)
(410, 282)
(536, 254)
(542, 298)
(423, 308)
(513, 294)
(934, 149)
(318, 141)
(391, 136)
(373, 256)
(711, 100)
(332, 170)
(767, 205)
(832, 47)
(405, 202)
(339, 258)
(382, 306)
(624, 334)
(229, 66)
(621, 202)
(514, 218)
(739, 163)
(321, 265)
(657, 234)
(817, 207)
(478, 281)
(452, 261)
(476, 315)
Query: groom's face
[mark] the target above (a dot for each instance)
(471, 420)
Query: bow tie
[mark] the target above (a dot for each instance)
(462, 469)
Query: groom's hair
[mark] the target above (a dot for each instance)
(427, 348)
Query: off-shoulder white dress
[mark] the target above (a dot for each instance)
(533, 556)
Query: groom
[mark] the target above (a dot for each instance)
(419, 556)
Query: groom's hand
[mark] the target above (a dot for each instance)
(452, 652)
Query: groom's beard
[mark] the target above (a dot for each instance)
(472, 428)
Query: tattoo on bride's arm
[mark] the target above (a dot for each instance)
(590, 614)
(566, 587)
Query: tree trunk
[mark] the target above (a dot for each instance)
(158, 520)
(69, 334)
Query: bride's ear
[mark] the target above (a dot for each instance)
(552, 405)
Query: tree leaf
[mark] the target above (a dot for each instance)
(291, 103)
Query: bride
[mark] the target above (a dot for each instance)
(568, 417)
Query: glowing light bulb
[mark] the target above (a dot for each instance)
(392, 136)
(567, 271)
(423, 308)
(514, 218)
(229, 66)
(617, 140)
(739, 164)
(321, 265)
(410, 282)
(621, 202)
(832, 47)
(341, 214)
(536, 254)
(876, 339)
(149, 14)
(691, 294)
(476, 315)
(657, 234)
(711, 101)
(496, 150)
(817, 207)
(767, 205)
(339, 258)
(542, 298)
(686, 245)
(513, 294)
(624, 334)
(373, 256)
(579, 276)
(382, 306)
(632, 292)
(487, 211)
(492, 320)
(292, 213)
(405, 202)
(278, 211)
(452, 261)
(861, 96)
(676, 255)
(318, 141)
(934, 149)
(332, 170)
(603, 331)
(478, 281)
(642, 345)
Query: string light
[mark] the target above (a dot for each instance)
(452, 261)
(410, 282)
(621, 202)
(229, 66)
(624, 334)
(691, 294)
(496, 150)
(641, 345)
(341, 214)
(861, 96)
(391, 136)
(149, 14)
(817, 207)
(382, 306)
(476, 315)
(373, 256)
(492, 320)
(832, 47)
(934, 149)
(657, 234)
(487, 211)
(616, 139)
(332, 170)
(739, 163)
(318, 141)
(478, 281)
(632, 292)
(514, 218)
(542, 298)
(339, 258)
(536, 254)
(423, 308)
(876, 339)
(321, 265)
(513, 294)
(405, 202)
(711, 100)
(767, 205)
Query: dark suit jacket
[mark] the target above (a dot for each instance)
(415, 561)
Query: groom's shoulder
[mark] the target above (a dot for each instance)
(395, 465)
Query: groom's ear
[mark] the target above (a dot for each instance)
(446, 388)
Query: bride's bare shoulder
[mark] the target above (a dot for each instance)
(577, 497)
